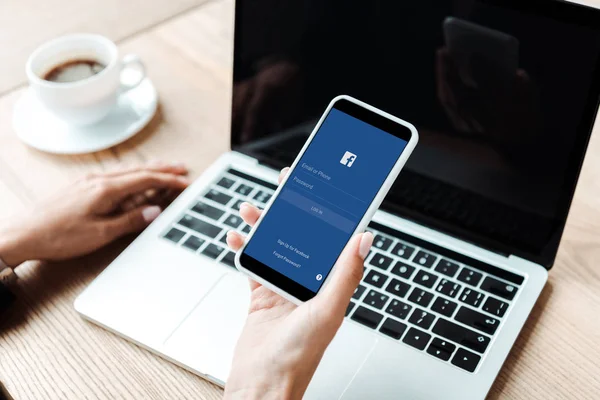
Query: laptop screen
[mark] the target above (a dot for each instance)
(504, 96)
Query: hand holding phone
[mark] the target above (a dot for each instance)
(334, 187)
(282, 340)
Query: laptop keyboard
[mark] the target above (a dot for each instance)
(431, 298)
(204, 225)
(425, 296)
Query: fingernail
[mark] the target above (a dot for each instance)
(183, 180)
(150, 213)
(230, 236)
(366, 241)
(244, 205)
(178, 164)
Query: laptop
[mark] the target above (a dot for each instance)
(464, 240)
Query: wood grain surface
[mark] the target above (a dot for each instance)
(48, 352)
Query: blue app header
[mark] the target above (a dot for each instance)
(325, 198)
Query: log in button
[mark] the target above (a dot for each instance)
(318, 210)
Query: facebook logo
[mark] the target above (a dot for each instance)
(348, 159)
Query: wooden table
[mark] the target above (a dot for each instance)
(48, 352)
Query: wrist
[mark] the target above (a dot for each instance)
(261, 387)
(12, 245)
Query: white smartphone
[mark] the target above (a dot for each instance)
(333, 188)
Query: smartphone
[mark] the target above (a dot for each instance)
(333, 188)
(465, 40)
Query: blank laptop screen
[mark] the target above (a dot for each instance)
(504, 96)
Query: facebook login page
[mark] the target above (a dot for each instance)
(325, 198)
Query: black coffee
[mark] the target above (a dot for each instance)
(73, 71)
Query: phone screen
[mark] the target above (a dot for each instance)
(324, 199)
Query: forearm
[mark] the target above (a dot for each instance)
(283, 379)
(13, 244)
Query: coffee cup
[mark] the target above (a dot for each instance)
(80, 77)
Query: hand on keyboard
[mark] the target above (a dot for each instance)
(281, 344)
(90, 213)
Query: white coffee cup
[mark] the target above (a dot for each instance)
(86, 101)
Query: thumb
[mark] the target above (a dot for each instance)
(348, 272)
(133, 221)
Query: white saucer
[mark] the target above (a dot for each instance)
(41, 130)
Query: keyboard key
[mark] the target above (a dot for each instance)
(226, 183)
(403, 270)
(441, 349)
(421, 318)
(218, 197)
(425, 259)
(398, 309)
(471, 297)
(229, 259)
(469, 276)
(477, 320)
(375, 278)
(500, 289)
(349, 308)
(392, 328)
(200, 226)
(446, 267)
(193, 243)
(212, 251)
(381, 242)
(448, 288)
(262, 197)
(233, 221)
(237, 204)
(358, 292)
(403, 250)
(244, 190)
(425, 278)
(495, 307)
(466, 360)
(380, 261)
(376, 299)
(463, 336)
(174, 235)
(416, 338)
(246, 229)
(444, 307)
(420, 297)
(208, 211)
(223, 238)
(367, 317)
(397, 288)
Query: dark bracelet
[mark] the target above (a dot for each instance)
(7, 279)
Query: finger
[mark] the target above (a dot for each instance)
(283, 173)
(253, 284)
(115, 189)
(234, 240)
(129, 222)
(346, 277)
(177, 168)
(249, 213)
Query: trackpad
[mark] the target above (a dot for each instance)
(206, 339)
(342, 360)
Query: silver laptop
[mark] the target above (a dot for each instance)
(464, 240)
